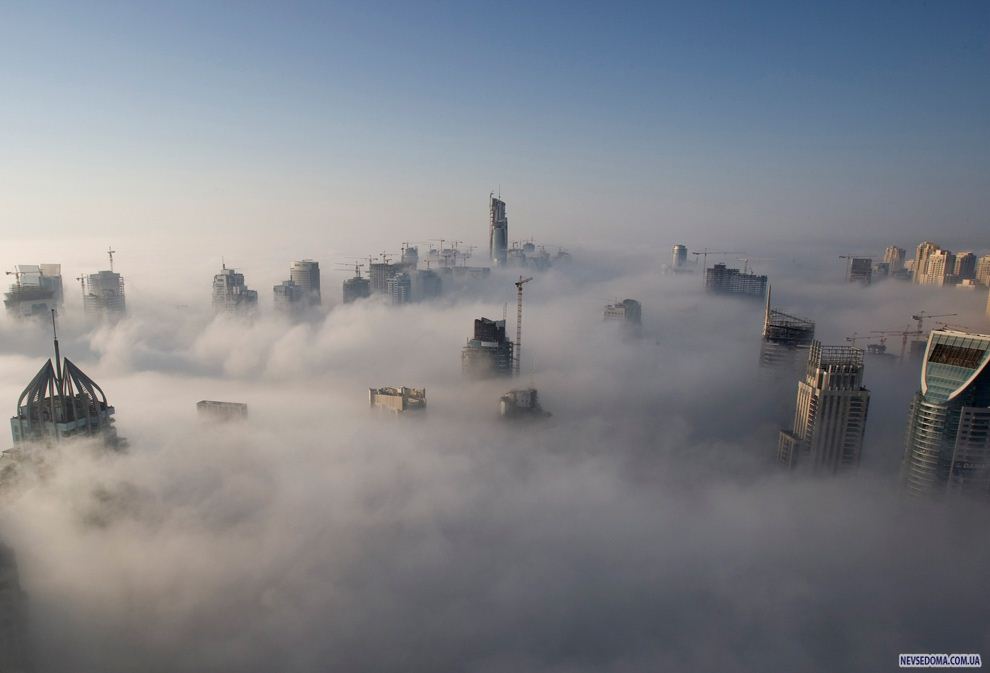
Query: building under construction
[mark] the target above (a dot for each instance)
(522, 403)
(489, 353)
(720, 279)
(357, 287)
(61, 401)
(397, 400)
(786, 339)
(212, 410)
(36, 291)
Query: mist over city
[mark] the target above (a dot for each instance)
(438, 337)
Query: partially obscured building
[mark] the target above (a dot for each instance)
(983, 270)
(221, 411)
(522, 403)
(894, 258)
(679, 257)
(860, 270)
(103, 295)
(379, 274)
(786, 339)
(429, 285)
(498, 231)
(489, 353)
(627, 310)
(36, 291)
(965, 266)
(721, 280)
(948, 437)
(289, 298)
(306, 275)
(356, 288)
(399, 289)
(830, 414)
(397, 400)
(231, 294)
(941, 264)
(15, 648)
(923, 252)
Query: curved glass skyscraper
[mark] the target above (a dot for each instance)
(948, 435)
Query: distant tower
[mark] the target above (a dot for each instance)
(61, 401)
(399, 289)
(785, 337)
(948, 443)
(894, 258)
(429, 285)
(14, 641)
(498, 230)
(231, 294)
(306, 274)
(860, 270)
(628, 310)
(830, 418)
(680, 253)
(922, 253)
(489, 353)
(965, 267)
(289, 298)
(37, 290)
(357, 287)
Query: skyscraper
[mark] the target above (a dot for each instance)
(289, 298)
(103, 295)
(830, 414)
(36, 291)
(948, 437)
(357, 287)
(941, 264)
(860, 270)
(429, 285)
(15, 651)
(489, 353)
(679, 256)
(379, 273)
(306, 274)
(231, 294)
(722, 280)
(923, 252)
(399, 289)
(894, 258)
(629, 311)
(59, 402)
(498, 230)
(965, 266)
(983, 270)
(786, 338)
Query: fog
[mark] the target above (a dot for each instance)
(643, 526)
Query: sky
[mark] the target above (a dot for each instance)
(351, 126)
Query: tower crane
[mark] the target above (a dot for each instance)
(922, 316)
(519, 298)
(904, 334)
(704, 256)
(110, 252)
(17, 277)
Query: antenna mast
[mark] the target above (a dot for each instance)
(58, 355)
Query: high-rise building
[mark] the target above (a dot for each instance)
(357, 287)
(629, 311)
(410, 257)
(399, 289)
(61, 401)
(923, 252)
(379, 273)
(830, 415)
(722, 280)
(679, 256)
(36, 291)
(429, 285)
(212, 410)
(103, 295)
(15, 650)
(786, 338)
(965, 266)
(289, 298)
(983, 270)
(489, 353)
(947, 449)
(231, 294)
(397, 399)
(860, 270)
(306, 275)
(941, 264)
(498, 230)
(894, 258)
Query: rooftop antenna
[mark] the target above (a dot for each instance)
(58, 355)
(110, 252)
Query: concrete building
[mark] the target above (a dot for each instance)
(947, 449)
(399, 289)
(679, 257)
(211, 410)
(231, 294)
(36, 291)
(15, 649)
(941, 264)
(894, 258)
(103, 295)
(965, 266)
(629, 311)
(61, 401)
(522, 403)
(306, 275)
(860, 270)
(410, 257)
(922, 253)
(289, 298)
(379, 273)
(498, 231)
(722, 280)
(356, 288)
(786, 339)
(830, 414)
(489, 353)
(983, 270)
(397, 400)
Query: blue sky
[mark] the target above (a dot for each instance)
(637, 124)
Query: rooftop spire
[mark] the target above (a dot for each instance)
(58, 356)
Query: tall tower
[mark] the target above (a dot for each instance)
(306, 274)
(948, 437)
(498, 230)
(231, 294)
(923, 252)
(894, 258)
(830, 417)
(679, 256)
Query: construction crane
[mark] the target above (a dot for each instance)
(110, 252)
(519, 296)
(347, 265)
(904, 334)
(17, 277)
(704, 257)
(921, 317)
